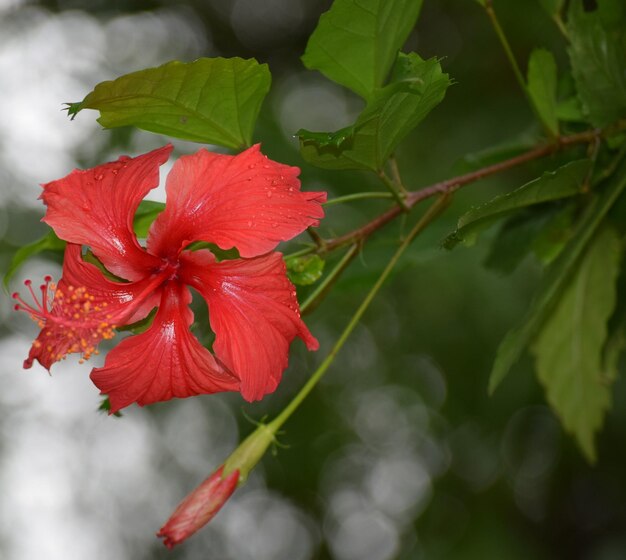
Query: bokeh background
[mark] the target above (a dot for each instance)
(399, 453)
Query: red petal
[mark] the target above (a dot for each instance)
(254, 313)
(85, 309)
(245, 201)
(199, 507)
(165, 361)
(95, 207)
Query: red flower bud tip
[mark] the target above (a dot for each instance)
(199, 507)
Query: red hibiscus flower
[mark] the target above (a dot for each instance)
(245, 201)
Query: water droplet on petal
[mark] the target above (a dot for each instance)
(274, 224)
(268, 194)
(252, 166)
(249, 223)
(99, 177)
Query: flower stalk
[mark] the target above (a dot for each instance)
(435, 210)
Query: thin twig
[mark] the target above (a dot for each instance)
(451, 185)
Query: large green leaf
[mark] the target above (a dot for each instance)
(356, 41)
(49, 242)
(598, 56)
(210, 100)
(553, 185)
(557, 276)
(542, 87)
(417, 87)
(569, 348)
(512, 244)
(541, 231)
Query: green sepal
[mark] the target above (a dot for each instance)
(105, 406)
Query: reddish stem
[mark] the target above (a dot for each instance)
(450, 185)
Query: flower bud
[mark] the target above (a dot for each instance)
(199, 507)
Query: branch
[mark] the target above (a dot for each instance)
(450, 185)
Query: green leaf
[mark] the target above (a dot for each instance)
(569, 348)
(570, 110)
(542, 231)
(304, 271)
(356, 42)
(510, 246)
(210, 100)
(556, 278)
(614, 348)
(542, 87)
(598, 56)
(417, 87)
(552, 185)
(146, 214)
(49, 242)
(553, 237)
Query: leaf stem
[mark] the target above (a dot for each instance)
(395, 173)
(357, 196)
(315, 297)
(558, 20)
(395, 189)
(301, 252)
(491, 13)
(428, 217)
(505, 44)
(317, 239)
(454, 183)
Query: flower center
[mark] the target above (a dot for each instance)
(168, 269)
